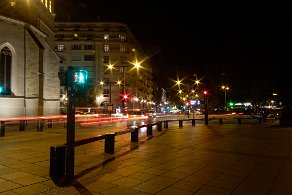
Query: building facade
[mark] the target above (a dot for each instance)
(29, 84)
(110, 54)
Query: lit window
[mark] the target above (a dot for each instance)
(5, 71)
(106, 48)
(122, 38)
(106, 37)
(12, 3)
(50, 6)
(123, 48)
(60, 48)
(46, 3)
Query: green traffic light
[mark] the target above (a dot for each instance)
(81, 76)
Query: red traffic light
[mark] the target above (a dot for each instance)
(205, 92)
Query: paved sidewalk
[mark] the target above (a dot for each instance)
(200, 159)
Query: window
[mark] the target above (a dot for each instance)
(60, 37)
(105, 92)
(123, 49)
(124, 59)
(122, 38)
(5, 71)
(106, 59)
(90, 37)
(88, 47)
(12, 3)
(106, 48)
(60, 48)
(106, 37)
(89, 58)
(76, 47)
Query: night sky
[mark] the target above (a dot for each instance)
(245, 44)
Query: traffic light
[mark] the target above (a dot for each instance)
(205, 92)
(76, 76)
(125, 96)
(1, 89)
(80, 76)
(231, 104)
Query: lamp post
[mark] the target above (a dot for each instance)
(225, 88)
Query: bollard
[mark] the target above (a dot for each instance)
(2, 129)
(109, 144)
(149, 129)
(134, 135)
(180, 123)
(220, 121)
(166, 124)
(40, 126)
(239, 120)
(22, 125)
(57, 161)
(193, 122)
(159, 126)
(50, 123)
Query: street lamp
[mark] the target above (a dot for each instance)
(225, 88)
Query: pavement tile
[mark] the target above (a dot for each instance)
(8, 185)
(119, 190)
(99, 186)
(149, 187)
(16, 175)
(32, 179)
(174, 191)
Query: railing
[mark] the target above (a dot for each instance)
(58, 153)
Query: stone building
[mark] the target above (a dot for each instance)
(29, 83)
(109, 52)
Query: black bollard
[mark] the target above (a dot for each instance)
(239, 120)
(40, 126)
(50, 123)
(2, 129)
(159, 126)
(220, 121)
(166, 124)
(180, 123)
(109, 144)
(22, 125)
(134, 135)
(193, 122)
(149, 129)
(57, 161)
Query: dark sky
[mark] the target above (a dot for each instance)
(246, 44)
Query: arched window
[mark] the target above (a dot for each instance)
(5, 71)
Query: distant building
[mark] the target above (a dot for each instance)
(108, 51)
(29, 83)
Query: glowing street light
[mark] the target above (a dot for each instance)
(225, 88)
